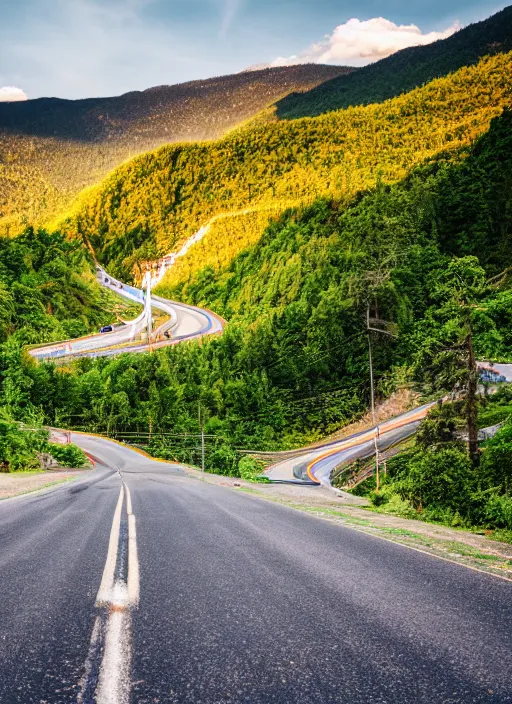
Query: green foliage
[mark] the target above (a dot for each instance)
(155, 201)
(439, 483)
(405, 69)
(68, 455)
(496, 463)
(47, 289)
(439, 428)
(498, 512)
(248, 468)
(493, 414)
(437, 478)
(19, 446)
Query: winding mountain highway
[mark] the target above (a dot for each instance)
(138, 584)
(184, 322)
(315, 465)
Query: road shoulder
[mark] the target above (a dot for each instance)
(14, 484)
(468, 549)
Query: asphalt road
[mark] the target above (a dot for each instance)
(241, 600)
(315, 464)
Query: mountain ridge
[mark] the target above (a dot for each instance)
(151, 204)
(405, 69)
(50, 148)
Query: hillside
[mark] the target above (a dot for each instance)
(48, 291)
(405, 69)
(152, 203)
(292, 363)
(428, 252)
(50, 148)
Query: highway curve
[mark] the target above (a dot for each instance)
(185, 322)
(315, 465)
(232, 599)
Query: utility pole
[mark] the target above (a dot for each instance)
(372, 394)
(471, 399)
(201, 425)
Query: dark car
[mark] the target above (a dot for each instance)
(107, 328)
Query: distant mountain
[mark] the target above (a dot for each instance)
(404, 70)
(52, 148)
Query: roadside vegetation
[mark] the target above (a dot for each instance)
(48, 290)
(22, 446)
(437, 480)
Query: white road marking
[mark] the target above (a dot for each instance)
(115, 673)
(119, 597)
(107, 581)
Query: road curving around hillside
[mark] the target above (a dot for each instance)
(315, 465)
(184, 322)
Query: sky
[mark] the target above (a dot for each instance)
(90, 48)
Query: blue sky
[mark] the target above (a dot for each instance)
(82, 48)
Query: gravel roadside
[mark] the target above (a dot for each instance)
(16, 483)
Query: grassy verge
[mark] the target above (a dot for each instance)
(12, 491)
(482, 557)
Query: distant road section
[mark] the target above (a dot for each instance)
(184, 323)
(315, 465)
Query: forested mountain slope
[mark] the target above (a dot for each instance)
(292, 363)
(50, 148)
(152, 203)
(48, 290)
(405, 69)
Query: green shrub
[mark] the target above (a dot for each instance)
(19, 446)
(378, 498)
(496, 462)
(68, 455)
(248, 468)
(498, 512)
(441, 478)
(224, 460)
(440, 426)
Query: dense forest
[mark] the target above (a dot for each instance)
(404, 70)
(292, 363)
(51, 148)
(48, 290)
(400, 211)
(152, 203)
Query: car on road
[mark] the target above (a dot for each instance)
(107, 328)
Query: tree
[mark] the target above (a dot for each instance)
(459, 292)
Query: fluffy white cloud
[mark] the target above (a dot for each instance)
(11, 94)
(357, 43)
